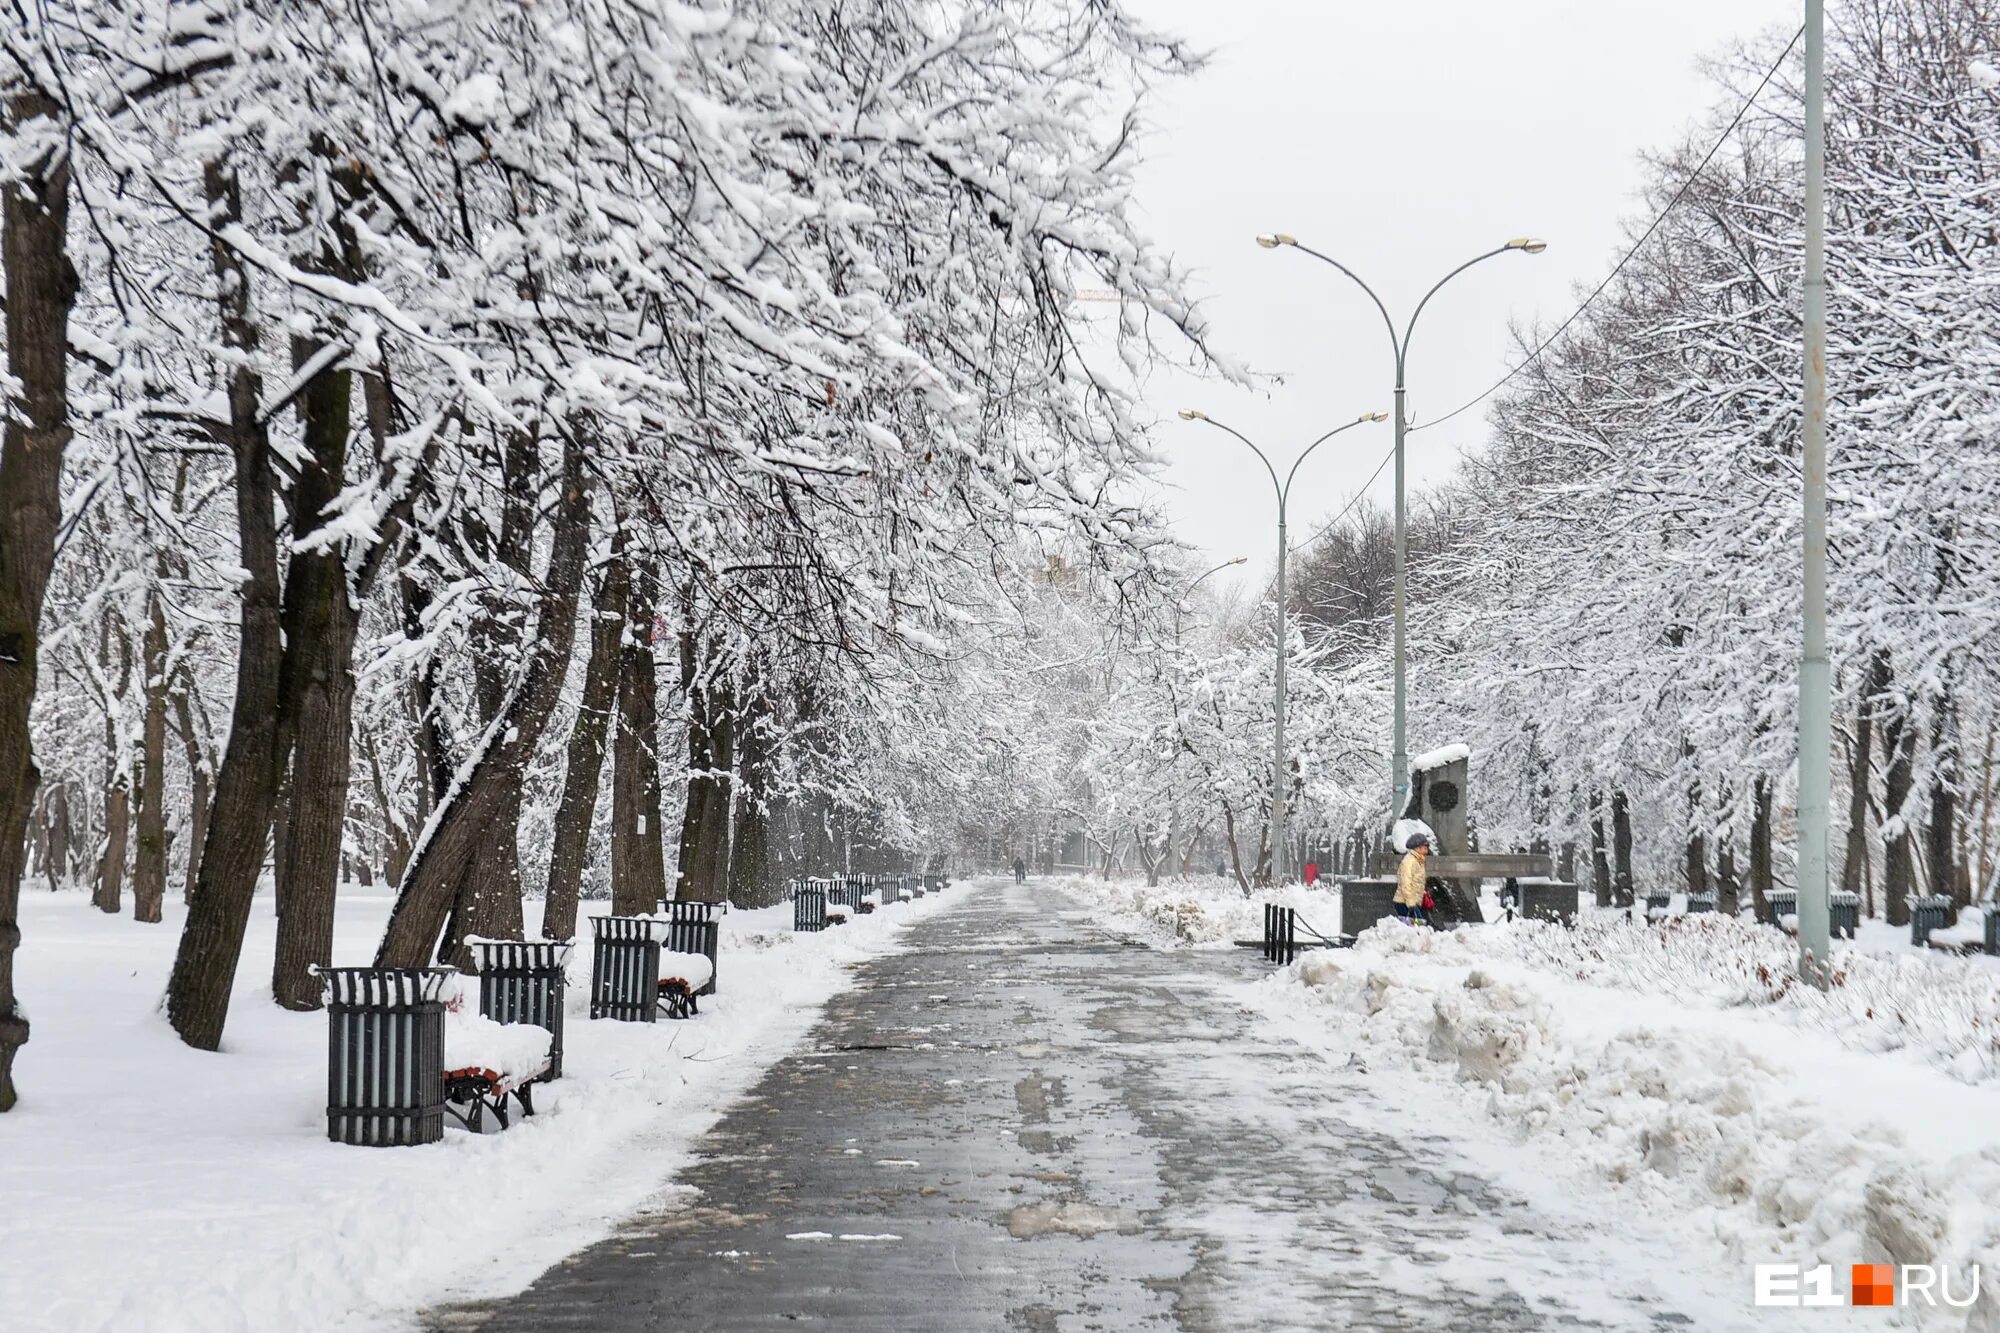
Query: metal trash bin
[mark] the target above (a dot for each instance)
(1547, 900)
(809, 905)
(625, 968)
(385, 1054)
(696, 927)
(1843, 915)
(523, 982)
(1928, 913)
(1659, 903)
(1363, 902)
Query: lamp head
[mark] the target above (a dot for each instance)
(1274, 240)
(1376, 416)
(1527, 245)
(1189, 414)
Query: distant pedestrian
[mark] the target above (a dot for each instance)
(1020, 871)
(1411, 887)
(1312, 873)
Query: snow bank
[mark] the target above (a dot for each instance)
(1206, 911)
(150, 1186)
(1780, 1146)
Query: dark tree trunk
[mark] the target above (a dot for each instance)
(149, 861)
(246, 788)
(201, 782)
(41, 291)
(703, 869)
(1621, 850)
(751, 884)
(109, 896)
(1600, 864)
(584, 764)
(1760, 846)
(465, 819)
(1860, 774)
(1697, 844)
(317, 695)
(638, 858)
(489, 898)
(1899, 744)
(1728, 895)
(1940, 834)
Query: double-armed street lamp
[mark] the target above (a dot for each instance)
(1284, 491)
(1399, 776)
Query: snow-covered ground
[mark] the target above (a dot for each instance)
(1673, 1068)
(148, 1186)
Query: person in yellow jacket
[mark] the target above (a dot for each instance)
(1411, 882)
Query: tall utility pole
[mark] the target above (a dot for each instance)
(1815, 678)
(1284, 491)
(1399, 343)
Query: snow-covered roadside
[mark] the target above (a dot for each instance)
(1765, 1142)
(152, 1187)
(1202, 911)
(1674, 1069)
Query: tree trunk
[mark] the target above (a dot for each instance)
(1860, 773)
(149, 862)
(584, 764)
(317, 696)
(750, 881)
(1600, 864)
(41, 291)
(1760, 847)
(1621, 849)
(1728, 895)
(1940, 834)
(488, 902)
(638, 858)
(1899, 743)
(465, 819)
(703, 867)
(110, 892)
(1696, 873)
(246, 787)
(199, 779)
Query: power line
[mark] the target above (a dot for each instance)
(1596, 292)
(1644, 236)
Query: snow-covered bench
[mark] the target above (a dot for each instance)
(682, 977)
(486, 1062)
(405, 1047)
(637, 972)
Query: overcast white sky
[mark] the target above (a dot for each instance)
(1401, 138)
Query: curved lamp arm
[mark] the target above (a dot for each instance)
(1370, 416)
(1277, 239)
(1525, 245)
(1189, 414)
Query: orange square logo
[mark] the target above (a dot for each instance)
(1873, 1284)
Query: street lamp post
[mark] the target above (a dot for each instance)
(1284, 491)
(1815, 690)
(1399, 776)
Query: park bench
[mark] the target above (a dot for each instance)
(403, 1052)
(486, 1062)
(523, 981)
(638, 973)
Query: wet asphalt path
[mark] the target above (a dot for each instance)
(1024, 1121)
